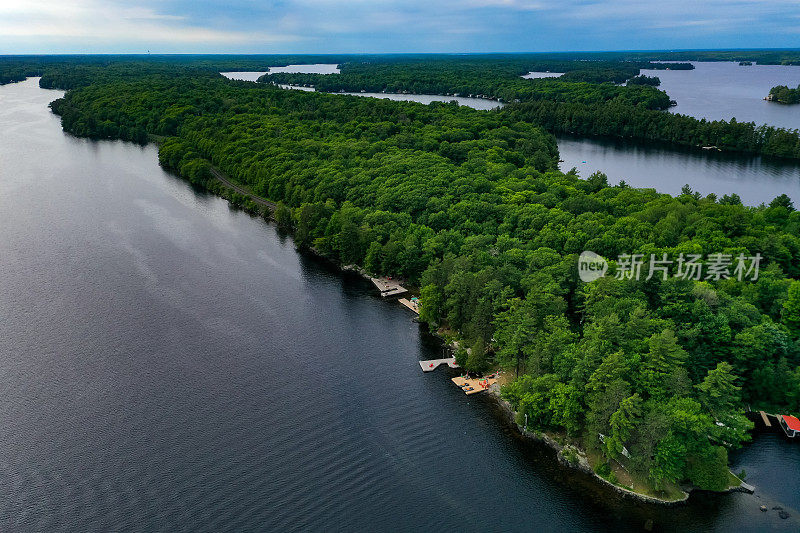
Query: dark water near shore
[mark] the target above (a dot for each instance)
(170, 364)
(755, 179)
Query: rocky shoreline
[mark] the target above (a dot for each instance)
(508, 412)
(583, 465)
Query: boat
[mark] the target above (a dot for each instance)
(790, 425)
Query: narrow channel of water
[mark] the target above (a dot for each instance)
(475, 103)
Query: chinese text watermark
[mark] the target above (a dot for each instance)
(712, 267)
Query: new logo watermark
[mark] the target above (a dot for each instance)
(591, 266)
(715, 267)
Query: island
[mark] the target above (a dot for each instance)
(784, 95)
(653, 81)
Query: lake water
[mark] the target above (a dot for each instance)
(475, 103)
(540, 75)
(243, 76)
(714, 91)
(723, 90)
(754, 179)
(316, 68)
(171, 364)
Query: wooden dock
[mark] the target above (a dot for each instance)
(412, 304)
(433, 364)
(388, 287)
(474, 386)
(765, 418)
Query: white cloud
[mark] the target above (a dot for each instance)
(391, 25)
(97, 21)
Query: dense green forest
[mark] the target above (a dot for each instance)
(469, 206)
(12, 75)
(616, 119)
(653, 81)
(582, 81)
(586, 100)
(33, 65)
(784, 95)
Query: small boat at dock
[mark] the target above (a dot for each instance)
(790, 425)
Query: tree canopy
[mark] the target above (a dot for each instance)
(469, 206)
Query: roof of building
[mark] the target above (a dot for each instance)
(792, 422)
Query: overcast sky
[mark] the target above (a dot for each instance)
(323, 26)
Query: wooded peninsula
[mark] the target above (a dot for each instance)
(784, 95)
(470, 207)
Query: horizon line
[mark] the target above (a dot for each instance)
(609, 51)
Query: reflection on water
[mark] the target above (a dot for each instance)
(243, 76)
(765, 463)
(475, 103)
(540, 75)
(723, 90)
(754, 179)
(316, 68)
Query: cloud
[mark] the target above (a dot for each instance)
(87, 22)
(392, 25)
(521, 5)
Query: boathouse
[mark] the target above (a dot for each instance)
(790, 424)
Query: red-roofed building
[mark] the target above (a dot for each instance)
(790, 424)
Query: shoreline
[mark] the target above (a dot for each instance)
(582, 465)
(238, 195)
(264, 208)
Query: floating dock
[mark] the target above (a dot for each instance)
(474, 386)
(750, 489)
(388, 287)
(765, 418)
(433, 364)
(412, 304)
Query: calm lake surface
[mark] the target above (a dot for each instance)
(724, 90)
(755, 179)
(171, 364)
(540, 75)
(316, 68)
(475, 103)
(715, 91)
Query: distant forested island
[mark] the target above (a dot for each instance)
(652, 373)
(784, 95)
(653, 81)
